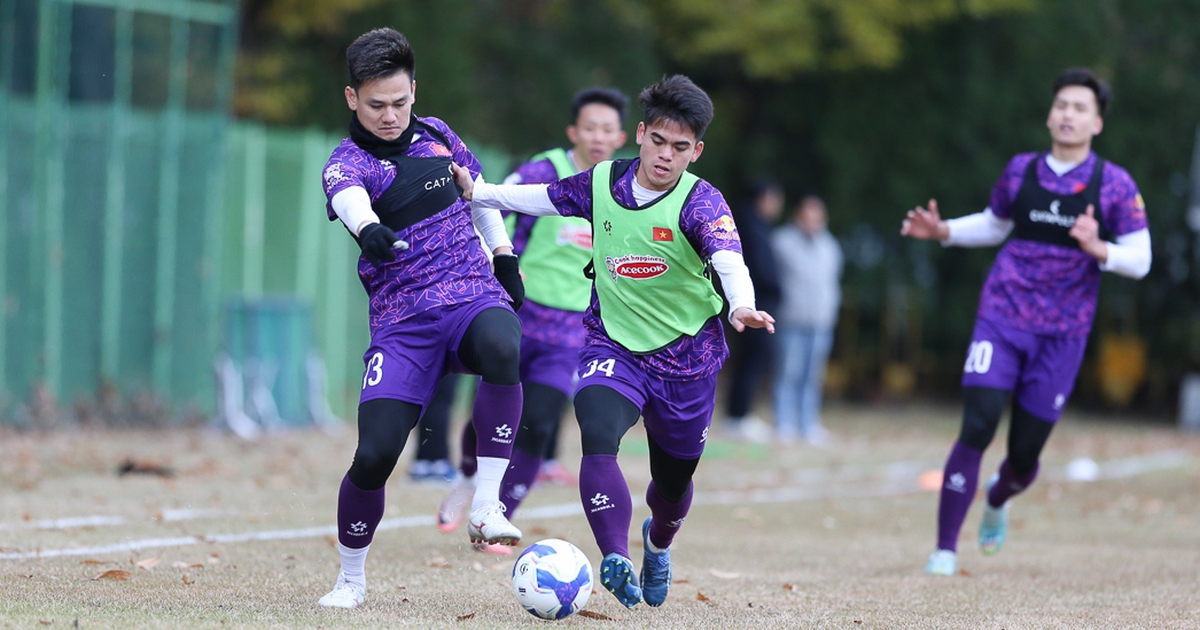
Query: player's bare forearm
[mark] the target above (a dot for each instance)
(745, 317)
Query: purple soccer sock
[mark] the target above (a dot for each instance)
(1009, 485)
(959, 481)
(518, 479)
(358, 514)
(496, 416)
(606, 502)
(667, 517)
(468, 464)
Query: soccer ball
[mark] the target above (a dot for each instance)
(552, 579)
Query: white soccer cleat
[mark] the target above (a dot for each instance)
(487, 524)
(993, 529)
(344, 594)
(454, 506)
(942, 562)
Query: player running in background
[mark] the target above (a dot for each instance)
(1064, 209)
(554, 250)
(654, 341)
(435, 305)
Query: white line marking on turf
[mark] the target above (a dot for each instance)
(897, 481)
(70, 522)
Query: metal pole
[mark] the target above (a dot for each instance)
(54, 42)
(114, 202)
(254, 206)
(168, 208)
(8, 19)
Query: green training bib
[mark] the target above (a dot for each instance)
(651, 283)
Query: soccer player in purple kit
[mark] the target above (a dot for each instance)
(435, 304)
(554, 250)
(654, 341)
(1072, 215)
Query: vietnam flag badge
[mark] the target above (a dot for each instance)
(663, 234)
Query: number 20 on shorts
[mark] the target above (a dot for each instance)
(606, 366)
(979, 357)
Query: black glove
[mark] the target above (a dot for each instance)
(376, 241)
(508, 272)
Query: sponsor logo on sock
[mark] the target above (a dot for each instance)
(957, 482)
(519, 491)
(677, 523)
(358, 529)
(704, 435)
(503, 434)
(601, 502)
(1059, 401)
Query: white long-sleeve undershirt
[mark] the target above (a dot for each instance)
(353, 206)
(1129, 256)
(532, 199)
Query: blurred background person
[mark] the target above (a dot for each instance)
(755, 347)
(809, 263)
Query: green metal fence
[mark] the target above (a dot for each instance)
(143, 233)
(112, 127)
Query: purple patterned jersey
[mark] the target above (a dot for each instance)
(709, 227)
(544, 323)
(445, 263)
(1047, 289)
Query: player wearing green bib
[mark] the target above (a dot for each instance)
(553, 251)
(654, 341)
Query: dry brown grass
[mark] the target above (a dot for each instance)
(845, 550)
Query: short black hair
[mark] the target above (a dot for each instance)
(379, 54)
(604, 96)
(678, 100)
(1088, 79)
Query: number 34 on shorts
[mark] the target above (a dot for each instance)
(604, 366)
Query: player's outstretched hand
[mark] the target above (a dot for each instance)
(745, 317)
(377, 242)
(462, 177)
(508, 272)
(1087, 231)
(925, 224)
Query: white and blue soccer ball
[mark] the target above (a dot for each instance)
(552, 579)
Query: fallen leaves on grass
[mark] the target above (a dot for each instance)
(724, 575)
(438, 563)
(702, 597)
(538, 531)
(147, 564)
(130, 466)
(591, 615)
(466, 617)
(964, 573)
(187, 580)
(683, 581)
(114, 574)
(90, 561)
(789, 587)
(331, 541)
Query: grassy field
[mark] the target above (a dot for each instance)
(240, 535)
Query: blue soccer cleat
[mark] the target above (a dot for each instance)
(994, 527)
(616, 574)
(656, 570)
(942, 562)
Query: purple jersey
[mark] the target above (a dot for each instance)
(1047, 289)
(542, 323)
(708, 225)
(445, 263)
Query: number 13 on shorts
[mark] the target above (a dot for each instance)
(599, 365)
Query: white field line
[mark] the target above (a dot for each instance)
(69, 522)
(898, 480)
